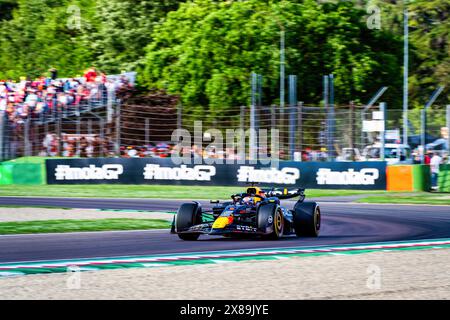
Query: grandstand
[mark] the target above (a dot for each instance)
(93, 116)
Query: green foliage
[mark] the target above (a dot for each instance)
(206, 51)
(39, 37)
(6, 9)
(430, 35)
(429, 44)
(111, 34)
(125, 30)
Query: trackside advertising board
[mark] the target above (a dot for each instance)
(319, 175)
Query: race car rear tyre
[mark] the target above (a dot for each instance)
(307, 219)
(188, 214)
(270, 214)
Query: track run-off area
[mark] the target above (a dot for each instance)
(347, 228)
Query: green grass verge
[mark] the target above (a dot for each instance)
(416, 198)
(53, 226)
(34, 160)
(147, 191)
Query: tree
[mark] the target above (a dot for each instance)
(125, 30)
(206, 50)
(71, 35)
(430, 36)
(429, 43)
(6, 9)
(39, 37)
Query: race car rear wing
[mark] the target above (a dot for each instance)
(286, 193)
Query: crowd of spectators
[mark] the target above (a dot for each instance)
(48, 95)
(91, 146)
(166, 150)
(159, 150)
(71, 145)
(313, 155)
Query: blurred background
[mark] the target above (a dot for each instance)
(97, 78)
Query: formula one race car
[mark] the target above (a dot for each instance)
(256, 212)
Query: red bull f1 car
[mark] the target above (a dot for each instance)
(256, 212)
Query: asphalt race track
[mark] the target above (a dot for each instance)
(342, 223)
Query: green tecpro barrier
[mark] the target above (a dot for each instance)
(21, 173)
(444, 178)
(421, 177)
(5, 174)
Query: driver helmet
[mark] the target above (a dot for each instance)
(247, 200)
(257, 194)
(261, 194)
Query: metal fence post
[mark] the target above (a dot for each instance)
(255, 98)
(363, 138)
(147, 133)
(109, 105)
(430, 102)
(59, 130)
(77, 110)
(5, 137)
(352, 125)
(273, 116)
(292, 109)
(46, 125)
(36, 139)
(258, 100)
(326, 88)
(78, 133)
(118, 128)
(260, 84)
(89, 128)
(273, 124)
(241, 119)
(448, 132)
(252, 139)
(282, 72)
(292, 132)
(383, 133)
(331, 114)
(300, 127)
(2, 132)
(54, 108)
(423, 129)
(102, 137)
(26, 133)
(179, 116)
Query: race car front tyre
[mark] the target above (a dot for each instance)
(188, 236)
(188, 214)
(278, 225)
(307, 219)
(270, 215)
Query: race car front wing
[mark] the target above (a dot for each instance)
(206, 228)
